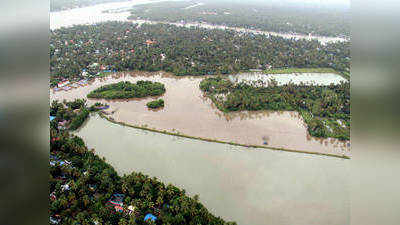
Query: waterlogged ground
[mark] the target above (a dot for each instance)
(249, 186)
(189, 112)
(295, 78)
(118, 11)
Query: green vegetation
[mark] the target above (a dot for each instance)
(77, 121)
(155, 104)
(125, 90)
(325, 109)
(263, 15)
(70, 115)
(82, 184)
(118, 46)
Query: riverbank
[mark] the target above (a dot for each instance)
(97, 14)
(253, 182)
(102, 115)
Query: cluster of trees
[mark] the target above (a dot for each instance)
(81, 184)
(325, 109)
(122, 46)
(125, 90)
(155, 104)
(251, 15)
(71, 115)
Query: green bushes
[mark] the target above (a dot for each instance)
(125, 90)
(70, 115)
(92, 182)
(321, 106)
(78, 120)
(155, 104)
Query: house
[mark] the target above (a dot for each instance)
(53, 197)
(131, 209)
(62, 123)
(65, 187)
(150, 42)
(54, 220)
(150, 216)
(162, 56)
(63, 83)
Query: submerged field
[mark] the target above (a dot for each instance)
(324, 108)
(187, 111)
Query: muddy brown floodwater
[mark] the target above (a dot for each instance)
(189, 112)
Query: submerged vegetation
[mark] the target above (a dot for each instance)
(85, 50)
(125, 90)
(84, 189)
(325, 109)
(155, 104)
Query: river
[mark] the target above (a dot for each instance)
(98, 13)
(189, 112)
(247, 185)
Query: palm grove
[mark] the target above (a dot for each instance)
(83, 186)
(123, 46)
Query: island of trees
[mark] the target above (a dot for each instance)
(286, 17)
(125, 90)
(325, 109)
(155, 104)
(79, 51)
(84, 189)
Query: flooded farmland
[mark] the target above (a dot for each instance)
(295, 78)
(249, 186)
(189, 112)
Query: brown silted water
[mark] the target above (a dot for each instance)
(247, 185)
(189, 112)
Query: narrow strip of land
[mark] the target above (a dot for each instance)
(221, 142)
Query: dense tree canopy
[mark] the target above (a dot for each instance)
(325, 109)
(124, 90)
(83, 189)
(123, 46)
(155, 104)
(262, 15)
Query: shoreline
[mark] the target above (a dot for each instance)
(265, 72)
(101, 114)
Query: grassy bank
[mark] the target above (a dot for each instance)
(221, 142)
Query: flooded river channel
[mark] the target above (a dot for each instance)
(189, 112)
(249, 186)
(99, 13)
